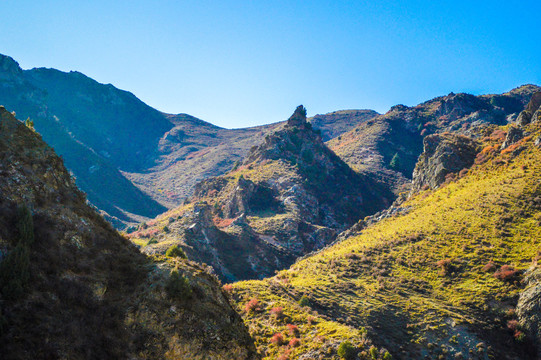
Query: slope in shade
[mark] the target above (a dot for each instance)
(72, 288)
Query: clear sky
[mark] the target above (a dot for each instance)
(242, 63)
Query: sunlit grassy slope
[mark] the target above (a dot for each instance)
(421, 284)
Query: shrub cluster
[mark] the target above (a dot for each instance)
(346, 350)
(15, 268)
(175, 251)
(178, 286)
(252, 306)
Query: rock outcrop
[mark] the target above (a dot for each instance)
(531, 113)
(443, 154)
(529, 306)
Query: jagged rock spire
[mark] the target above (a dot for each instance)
(298, 118)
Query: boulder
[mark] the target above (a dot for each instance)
(514, 135)
(443, 154)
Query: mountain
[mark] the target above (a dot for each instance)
(72, 288)
(133, 161)
(291, 195)
(372, 145)
(449, 273)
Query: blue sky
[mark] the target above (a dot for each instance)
(242, 63)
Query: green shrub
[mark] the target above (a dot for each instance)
(152, 241)
(175, 251)
(373, 352)
(387, 356)
(15, 272)
(25, 225)
(178, 287)
(166, 229)
(15, 268)
(395, 162)
(304, 301)
(346, 350)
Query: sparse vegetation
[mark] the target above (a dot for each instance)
(175, 251)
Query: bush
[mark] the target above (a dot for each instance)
(387, 356)
(506, 273)
(293, 329)
(294, 343)
(252, 305)
(277, 312)
(395, 162)
(373, 352)
(346, 350)
(178, 287)
(277, 339)
(15, 268)
(304, 301)
(152, 241)
(25, 225)
(175, 251)
(15, 272)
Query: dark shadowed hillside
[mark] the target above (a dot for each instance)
(72, 288)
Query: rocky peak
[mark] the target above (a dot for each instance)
(298, 118)
(9, 69)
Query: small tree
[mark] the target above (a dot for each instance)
(175, 251)
(346, 350)
(178, 287)
(304, 301)
(395, 162)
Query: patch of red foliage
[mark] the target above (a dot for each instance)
(252, 305)
(490, 266)
(277, 339)
(294, 342)
(293, 329)
(506, 273)
(498, 135)
(277, 312)
(222, 223)
(228, 288)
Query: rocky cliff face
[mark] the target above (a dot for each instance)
(444, 155)
(72, 288)
(291, 195)
(529, 306)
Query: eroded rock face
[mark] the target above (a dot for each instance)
(513, 135)
(529, 306)
(443, 154)
(531, 113)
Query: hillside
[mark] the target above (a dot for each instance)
(72, 288)
(439, 279)
(291, 195)
(132, 161)
(371, 146)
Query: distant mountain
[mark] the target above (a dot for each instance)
(291, 195)
(452, 272)
(72, 288)
(371, 146)
(133, 161)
